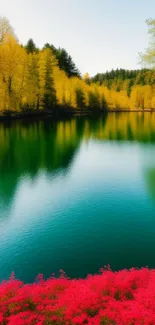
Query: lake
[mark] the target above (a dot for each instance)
(77, 194)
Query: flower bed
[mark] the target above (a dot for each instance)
(109, 298)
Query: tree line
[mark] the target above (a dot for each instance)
(47, 78)
(120, 78)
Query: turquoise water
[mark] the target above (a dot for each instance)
(77, 195)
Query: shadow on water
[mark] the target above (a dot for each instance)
(26, 147)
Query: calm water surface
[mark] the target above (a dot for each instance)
(77, 195)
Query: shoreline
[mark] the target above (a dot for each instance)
(66, 113)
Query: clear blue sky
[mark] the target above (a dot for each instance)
(99, 34)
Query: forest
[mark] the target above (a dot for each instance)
(33, 79)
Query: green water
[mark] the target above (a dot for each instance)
(77, 195)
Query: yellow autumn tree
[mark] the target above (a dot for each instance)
(31, 94)
(5, 29)
(60, 85)
(12, 73)
(33, 80)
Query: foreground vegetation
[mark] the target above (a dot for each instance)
(110, 298)
(47, 79)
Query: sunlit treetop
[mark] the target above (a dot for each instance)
(148, 57)
(5, 29)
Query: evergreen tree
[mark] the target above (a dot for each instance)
(66, 63)
(51, 47)
(80, 98)
(50, 94)
(31, 47)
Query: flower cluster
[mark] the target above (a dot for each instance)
(109, 298)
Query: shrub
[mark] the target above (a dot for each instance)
(110, 298)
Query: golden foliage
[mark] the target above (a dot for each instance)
(35, 81)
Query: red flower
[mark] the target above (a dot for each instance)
(118, 298)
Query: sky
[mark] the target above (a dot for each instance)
(100, 35)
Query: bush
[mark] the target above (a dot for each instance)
(9, 113)
(109, 298)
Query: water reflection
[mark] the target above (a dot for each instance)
(28, 147)
(74, 192)
(150, 181)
